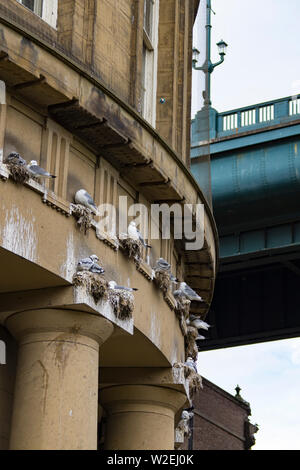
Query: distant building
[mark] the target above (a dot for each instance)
(221, 421)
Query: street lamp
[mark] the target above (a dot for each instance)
(208, 67)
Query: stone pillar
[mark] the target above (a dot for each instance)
(140, 417)
(7, 380)
(56, 390)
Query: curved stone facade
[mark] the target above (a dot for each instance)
(71, 103)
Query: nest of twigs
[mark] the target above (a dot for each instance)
(182, 307)
(191, 349)
(183, 325)
(122, 303)
(83, 216)
(18, 173)
(195, 383)
(133, 248)
(95, 285)
(162, 279)
(182, 311)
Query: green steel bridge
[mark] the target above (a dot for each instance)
(255, 185)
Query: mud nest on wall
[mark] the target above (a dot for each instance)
(195, 383)
(133, 248)
(162, 279)
(191, 349)
(83, 216)
(95, 285)
(18, 173)
(182, 307)
(182, 311)
(122, 303)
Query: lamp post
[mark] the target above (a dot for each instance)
(208, 67)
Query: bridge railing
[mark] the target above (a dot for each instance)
(258, 116)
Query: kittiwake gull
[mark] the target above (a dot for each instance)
(135, 234)
(37, 171)
(85, 199)
(15, 158)
(187, 292)
(114, 286)
(198, 323)
(191, 363)
(162, 265)
(90, 264)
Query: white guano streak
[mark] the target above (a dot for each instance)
(18, 234)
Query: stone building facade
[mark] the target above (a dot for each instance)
(98, 94)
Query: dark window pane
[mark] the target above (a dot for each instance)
(28, 4)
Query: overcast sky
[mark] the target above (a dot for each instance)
(262, 63)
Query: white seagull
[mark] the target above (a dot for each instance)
(198, 323)
(191, 363)
(114, 286)
(37, 171)
(85, 199)
(135, 234)
(15, 158)
(162, 265)
(186, 291)
(90, 264)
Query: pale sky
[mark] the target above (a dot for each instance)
(262, 63)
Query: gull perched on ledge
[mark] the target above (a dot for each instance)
(114, 286)
(191, 363)
(85, 199)
(38, 172)
(135, 234)
(90, 264)
(187, 292)
(195, 321)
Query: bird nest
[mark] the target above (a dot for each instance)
(195, 383)
(183, 325)
(122, 303)
(133, 248)
(162, 279)
(83, 216)
(183, 427)
(95, 285)
(191, 349)
(19, 173)
(182, 307)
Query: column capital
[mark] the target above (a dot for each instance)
(134, 397)
(52, 321)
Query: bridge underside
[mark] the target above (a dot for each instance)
(256, 302)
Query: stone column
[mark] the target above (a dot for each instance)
(7, 380)
(140, 417)
(56, 390)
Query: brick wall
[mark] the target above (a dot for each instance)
(220, 420)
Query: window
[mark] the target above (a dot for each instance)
(149, 72)
(46, 9)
